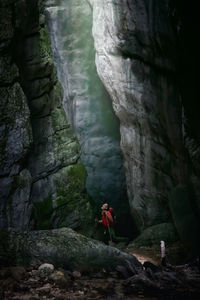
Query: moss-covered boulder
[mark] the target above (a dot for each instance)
(63, 248)
(154, 234)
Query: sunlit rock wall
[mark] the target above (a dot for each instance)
(135, 58)
(86, 102)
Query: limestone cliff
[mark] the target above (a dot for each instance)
(135, 55)
(137, 50)
(42, 177)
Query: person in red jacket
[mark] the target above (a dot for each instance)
(106, 216)
(108, 223)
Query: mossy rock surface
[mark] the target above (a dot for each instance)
(71, 207)
(74, 207)
(63, 248)
(154, 234)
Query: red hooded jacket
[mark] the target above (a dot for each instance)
(105, 219)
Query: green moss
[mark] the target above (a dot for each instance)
(154, 234)
(78, 174)
(75, 189)
(45, 46)
(75, 208)
(42, 213)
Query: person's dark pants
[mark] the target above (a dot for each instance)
(111, 236)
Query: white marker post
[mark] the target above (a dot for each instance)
(163, 256)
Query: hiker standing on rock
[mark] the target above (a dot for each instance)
(108, 223)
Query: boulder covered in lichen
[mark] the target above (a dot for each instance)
(63, 248)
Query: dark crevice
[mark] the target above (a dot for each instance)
(141, 59)
(185, 21)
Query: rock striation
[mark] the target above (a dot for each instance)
(42, 177)
(135, 57)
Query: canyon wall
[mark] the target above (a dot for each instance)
(86, 101)
(42, 177)
(135, 57)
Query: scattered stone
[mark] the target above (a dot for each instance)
(178, 282)
(60, 279)
(76, 274)
(33, 282)
(46, 269)
(34, 273)
(44, 290)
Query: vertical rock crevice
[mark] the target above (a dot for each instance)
(87, 103)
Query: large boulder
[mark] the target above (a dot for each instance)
(63, 248)
(154, 234)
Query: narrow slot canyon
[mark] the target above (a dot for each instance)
(99, 150)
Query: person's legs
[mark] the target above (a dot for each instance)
(106, 236)
(117, 239)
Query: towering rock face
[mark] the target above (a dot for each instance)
(88, 105)
(135, 58)
(42, 178)
(15, 132)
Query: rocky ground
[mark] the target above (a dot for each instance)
(153, 282)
